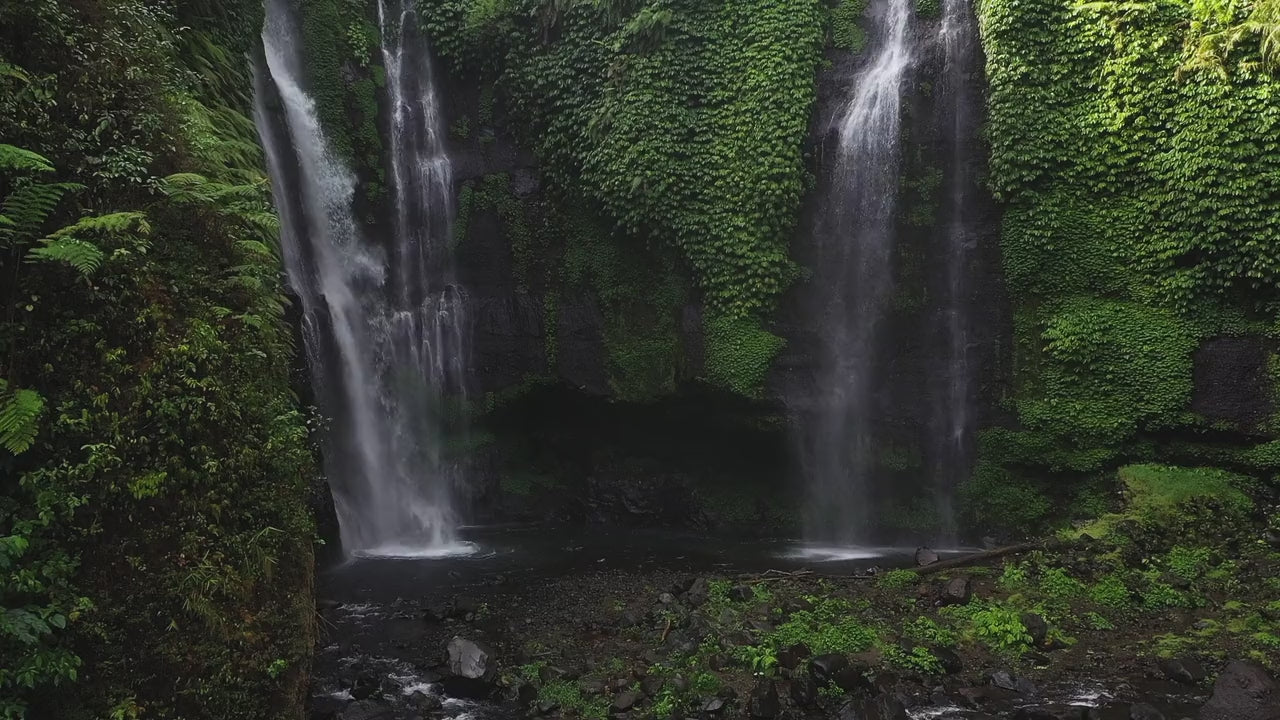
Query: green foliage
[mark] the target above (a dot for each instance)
(845, 30)
(918, 660)
(897, 580)
(996, 497)
(682, 123)
(997, 626)
(1140, 193)
(1110, 591)
(154, 520)
(831, 626)
(569, 698)
(738, 353)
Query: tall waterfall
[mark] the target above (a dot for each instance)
(855, 268)
(953, 401)
(382, 317)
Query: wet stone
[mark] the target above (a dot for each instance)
(1183, 670)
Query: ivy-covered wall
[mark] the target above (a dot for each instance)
(155, 539)
(1141, 188)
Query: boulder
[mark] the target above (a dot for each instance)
(949, 660)
(790, 657)
(741, 593)
(1005, 680)
(698, 593)
(823, 668)
(763, 702)
(471, 660)
(625, 700)
(957, 591)
(925, 556)
(712, 706)
(1036, 627)
(1244, 691)
(1182, 670)
(804, 691)
(884, 707)
(472, 669)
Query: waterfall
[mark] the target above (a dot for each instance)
(855, 272)
(382, 318)
(953, 404)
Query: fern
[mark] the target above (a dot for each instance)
(84, 256)
(115, 223)
(28, 207)
(19, 411)
(18, 159)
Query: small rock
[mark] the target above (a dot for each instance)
(1272, 538)
(713, 706)
(625, 700)
(1036, 627)
(884, 707)
(1183, 670)
(1143, 711)
(680, 684)
(925, 556)
(980, 696)
(546, 707)
(1244, 691)
(591, 686)
(741, 593)
(763, 702)
(957, 591)
(1005, 680)
(526, 694)
(666, 598)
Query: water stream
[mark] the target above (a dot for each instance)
(858, 257)
(383, 320)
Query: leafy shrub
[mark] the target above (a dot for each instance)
(830, 627)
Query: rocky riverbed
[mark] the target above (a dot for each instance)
(1056, 633)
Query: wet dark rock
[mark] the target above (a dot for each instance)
(1183, 670)
(1036, 627)
(591, 686)
(741, 593)
(804, 691)
(1005, 680)
(1244, 691)
(620, 684)
(323, 605)
(763, 702)
(949, 660)
(651, 685)
(823, 668)
(789, 658)
(526, 693)
(1143, 711)
(680, 684)
(851, 679)
(625, 700)
(367, 710)
(713, 706)
(1056, 712)
(988, 695)
(698, 593)
(957, 591)
(546, 707)
(362, 686)
(667, 599)
(428, 703)
(325, 707)
(925, 556)
(1272, 538)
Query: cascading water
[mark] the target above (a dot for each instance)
(953, 402)
(382, 321)
(855, 276)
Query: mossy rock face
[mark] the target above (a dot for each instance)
(1166, 505)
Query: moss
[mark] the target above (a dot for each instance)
(844, 25)
(1158, 495)
(738, 353)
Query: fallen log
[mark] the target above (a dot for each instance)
(975, 558)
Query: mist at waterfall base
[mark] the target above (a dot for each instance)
(858, 239)
(382, 319)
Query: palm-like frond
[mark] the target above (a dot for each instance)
(19, 412)
(22, 160)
